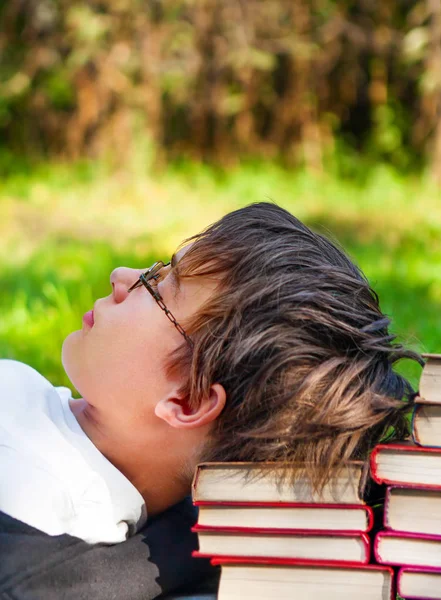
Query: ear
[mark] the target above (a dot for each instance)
(176, 412)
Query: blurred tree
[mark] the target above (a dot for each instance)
(220, 79)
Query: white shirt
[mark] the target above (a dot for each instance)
(52, 477)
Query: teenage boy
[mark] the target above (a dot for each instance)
(261, 341)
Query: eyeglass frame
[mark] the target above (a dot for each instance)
(152, 273)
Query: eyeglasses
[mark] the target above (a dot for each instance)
(153, 275)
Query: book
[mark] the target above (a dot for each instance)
(251, 482)
(430, 382)
(408, 549)
(419, 584)
(413, 510)
(283, 543)
(274, 515)
(283, 579)
(426, 425)
(406, 464)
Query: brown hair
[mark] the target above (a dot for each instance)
(296, 336)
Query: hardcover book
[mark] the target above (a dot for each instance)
(262, 579)
(426, 425)
(251, 482)
(413, 510)
(274, 515)
(288, 543)
(406, 464)
(430, 382)
(419, 584)
(408, 549)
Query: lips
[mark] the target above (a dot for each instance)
(88, 318)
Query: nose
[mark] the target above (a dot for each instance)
(121, 279)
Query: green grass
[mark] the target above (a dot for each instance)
(64, 228)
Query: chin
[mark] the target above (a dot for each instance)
(70, 353)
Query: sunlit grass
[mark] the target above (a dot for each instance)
(64, 228)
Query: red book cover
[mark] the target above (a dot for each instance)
(401, 448)
(402, 536)
(345, 507)
(401, 572)
(290, 562)
(363, 537)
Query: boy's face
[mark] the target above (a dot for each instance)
(118, 363)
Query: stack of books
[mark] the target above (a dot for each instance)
(412, 512)
(282, 541)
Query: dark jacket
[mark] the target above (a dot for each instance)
(36, 566)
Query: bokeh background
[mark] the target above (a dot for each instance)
(127, 125)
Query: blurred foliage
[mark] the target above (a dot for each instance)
(221, 79)
(65, 227)
(349, 91)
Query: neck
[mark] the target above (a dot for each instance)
(153, 472)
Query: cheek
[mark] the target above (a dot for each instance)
(118, 358)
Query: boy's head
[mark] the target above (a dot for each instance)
(291, 357)
(296, 337)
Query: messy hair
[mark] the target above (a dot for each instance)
(295, 335)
